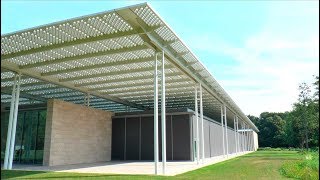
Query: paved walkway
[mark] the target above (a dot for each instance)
(128, 167)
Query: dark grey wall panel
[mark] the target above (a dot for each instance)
(132, 138)
(181, 137)
(147, 138)
(117, 152)
(169, 138)
(139, 144)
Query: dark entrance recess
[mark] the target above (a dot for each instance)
(132, 136)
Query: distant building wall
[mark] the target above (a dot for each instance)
(76, 134)
(255, 140)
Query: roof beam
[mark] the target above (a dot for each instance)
(27, 85)
(126, 85)
(150, 92)
(175, 99)
(25, 95)
(168, 87)
(109, 74)
(12, 79)
(105, 64)
(74, 42)
(15, 68)
(83, 56)
(124, 79)
(43, 89)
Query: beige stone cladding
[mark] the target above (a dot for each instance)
(76, 134)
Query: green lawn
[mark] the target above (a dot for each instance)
(257, 165)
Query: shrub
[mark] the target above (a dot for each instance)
(308, 168)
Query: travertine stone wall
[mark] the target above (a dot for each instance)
(76, 134)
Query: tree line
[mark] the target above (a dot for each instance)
(297, 128)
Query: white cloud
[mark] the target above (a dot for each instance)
(272, 62)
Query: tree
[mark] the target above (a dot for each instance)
(316, 93)
(296, 128)
(304, 98)
(271, 126)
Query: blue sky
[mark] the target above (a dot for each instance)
(259, 51)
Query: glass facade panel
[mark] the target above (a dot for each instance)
(30, 134)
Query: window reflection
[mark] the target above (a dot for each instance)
(30, 134)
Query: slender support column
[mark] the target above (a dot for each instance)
(250, 136)
(14, 123)
(155, 123)
(201, 119)
(242, 138)
(197, 122)
(247, 134)
(163, 116)
(235, 133)
(245, 138)
(252, 141)
(8, 142)
(88, 99)
(238, 141)
(222, 117)
(226, 129)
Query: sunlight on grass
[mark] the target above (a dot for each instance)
(257, 165)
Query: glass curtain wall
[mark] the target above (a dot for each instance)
(30, 133)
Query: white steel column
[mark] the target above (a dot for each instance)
(252, 141)
(163, 116)
(14, 123)
(235, 133)
(6, 156)
(238, 144)
(197, 122)
(201, 119)
(222, 117)
(250, 136)
(226, 128)
(249, 144)
(88, 99)
(245, 138)
(247, 132)
(155, 125)
(242, 138)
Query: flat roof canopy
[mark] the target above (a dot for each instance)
(110, 57)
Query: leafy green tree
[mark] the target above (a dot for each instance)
(296, 128)
(316, 86)
(271, 126)
(304, 98)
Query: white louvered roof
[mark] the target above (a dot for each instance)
(110, 57)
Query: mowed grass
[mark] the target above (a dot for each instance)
(257, 165)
